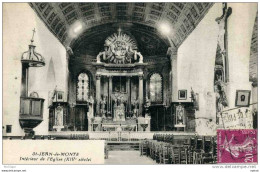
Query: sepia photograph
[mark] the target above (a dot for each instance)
(130, 83)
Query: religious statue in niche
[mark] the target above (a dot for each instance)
(59, 116)
(180, 116)
(120, 49)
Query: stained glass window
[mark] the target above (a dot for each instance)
(156, 88)
(83, 87)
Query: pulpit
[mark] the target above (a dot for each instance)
(31, 106)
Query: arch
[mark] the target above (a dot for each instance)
(156, 88)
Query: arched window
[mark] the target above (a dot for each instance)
(156, 88)
(83, 87)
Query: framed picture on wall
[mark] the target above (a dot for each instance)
(182, 95)
(243, 98)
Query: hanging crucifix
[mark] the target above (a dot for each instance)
(221, 74)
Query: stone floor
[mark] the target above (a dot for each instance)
(128, 158)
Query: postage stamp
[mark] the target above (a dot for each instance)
(237, 146)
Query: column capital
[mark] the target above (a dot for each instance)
(172, 51)
(98, 76)
(69, 51)
(141, 77)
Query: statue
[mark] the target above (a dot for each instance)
(105, 54)
(180, 115)
(147, 105)
(91, 104)
(99, 56)
(119, 110)
(136, 54)
(221, 99)
(91, 100)
(59, 116)
(135, 104)
(103, 106)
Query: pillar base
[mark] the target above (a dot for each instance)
(98, 120)
(58, 128)
(29, 132)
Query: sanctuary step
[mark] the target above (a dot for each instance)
(122, 145)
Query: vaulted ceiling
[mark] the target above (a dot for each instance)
(254, 54)
(140, 20)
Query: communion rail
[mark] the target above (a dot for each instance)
(113, 135)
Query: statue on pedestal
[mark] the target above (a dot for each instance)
(147, 105)
(119, 110)
(180, 116)
(58, 119)
(59, 116)
(103, 106)
(136, 54)
(135, 104)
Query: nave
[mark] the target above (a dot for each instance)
(128, 158)
(163, 149)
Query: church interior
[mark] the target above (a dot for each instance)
(141, 76)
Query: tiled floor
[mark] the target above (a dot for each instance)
(128, 158)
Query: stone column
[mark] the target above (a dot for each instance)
(69, 54)
(110, 84)
(172, 52)
(129, 94)
(25, 79)
(98, 77)
(141, 77)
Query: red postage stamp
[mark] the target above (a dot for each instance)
(237, 146)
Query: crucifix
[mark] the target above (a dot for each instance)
(119, 30)
(222, 37)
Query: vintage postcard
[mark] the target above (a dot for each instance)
(129, 83)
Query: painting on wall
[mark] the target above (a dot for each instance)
(182, 95)
(243, 98)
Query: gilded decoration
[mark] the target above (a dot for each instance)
(120, 49)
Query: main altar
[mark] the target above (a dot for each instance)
(119, 99)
